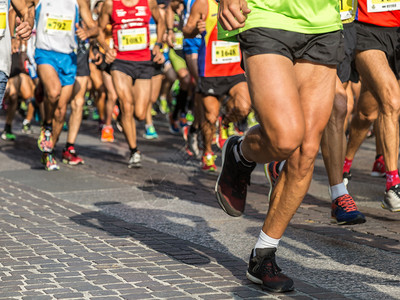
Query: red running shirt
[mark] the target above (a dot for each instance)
(384, 13)
(130, 30)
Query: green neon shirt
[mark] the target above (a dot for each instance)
(303, 16)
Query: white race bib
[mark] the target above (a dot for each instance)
(59, 25)
(225, 52)
(132, 39)
(382, 5)
(178, 45)
(3, 17)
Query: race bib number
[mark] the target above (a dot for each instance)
(3, 17)
(132, 39)
(225, 52)
(178, 45)
(346, 9)
(382, 5)
(56, 25)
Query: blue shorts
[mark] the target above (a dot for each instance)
(3, 84)
(64, 64)
(191, 46)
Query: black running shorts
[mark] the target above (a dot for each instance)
(135, 69)
(346, 70)
(325, 48)
(386, 39)
(218, 86)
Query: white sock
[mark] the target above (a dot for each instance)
(281, 165)
(265, 241)
(338, 190)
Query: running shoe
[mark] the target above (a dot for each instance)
(264, 270)
(26, 127)
(209, 162)
(231, 186)
(150, 133)
(345, 212)
(95, 115)
(8, 136)
(392, 199)
(173, 126)
(192, 141)
(189, 117)
(49, 162)
(69, 157)
(65, 126)
(251, 119)
(231, 129)
(222, 134)
(378, 169)
(271, 171)
(107, 134)
(45, 141)
(153, 112)
(115, 112)
(182, 120)
(163, 106)
(135, 160)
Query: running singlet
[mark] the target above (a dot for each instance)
(217, 58)
(384, 13)
(130, 30)
(348, 10)
(55, 25)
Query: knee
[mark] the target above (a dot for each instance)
(367, 116)
(53, 95)
(339, 110)
(140, 112)
(391, 106)
(285, 140)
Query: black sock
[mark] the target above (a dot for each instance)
(133, 150)
(192, 129)
(48, 126)
(7, 128)
(67, 145)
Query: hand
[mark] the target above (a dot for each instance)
(15, 44)
(111, 54)
(81, 33)
(158, 56)
(232, 14)
(171, 38)
(24, 30)
(98, 58)
(201, 24)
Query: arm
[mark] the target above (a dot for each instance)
(104, 20)
(232, 14)
(159, 19)
(92, 30)
(25, 10)
(196, 22)
(169, 20)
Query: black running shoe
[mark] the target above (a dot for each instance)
(264, 270)
(231, 186)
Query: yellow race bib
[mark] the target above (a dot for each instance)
(132, 39)
(225, 52)
(56, 25)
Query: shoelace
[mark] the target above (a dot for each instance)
(270, 268)
(347, 203)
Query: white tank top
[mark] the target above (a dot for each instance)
(55, 25)
(5, 38)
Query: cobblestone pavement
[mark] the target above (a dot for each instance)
(103, 231)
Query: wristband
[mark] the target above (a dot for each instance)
(160, 45)
(170, 29)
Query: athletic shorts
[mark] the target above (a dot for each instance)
(346, 70)
(218, 86)
(135, 69)
(64, 64)
(177, 61)
(158, 68)
(386, 39)
(191, 46)
(104, 66)
(3, 84)
(325, 48)
(82, 61)
(17, 65)
(32, 70)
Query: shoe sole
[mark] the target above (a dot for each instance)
(67, 162)
(135, 166)
(356, 221)
(259, 281)
(221, 201)
(378, 174)
(385, 206)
